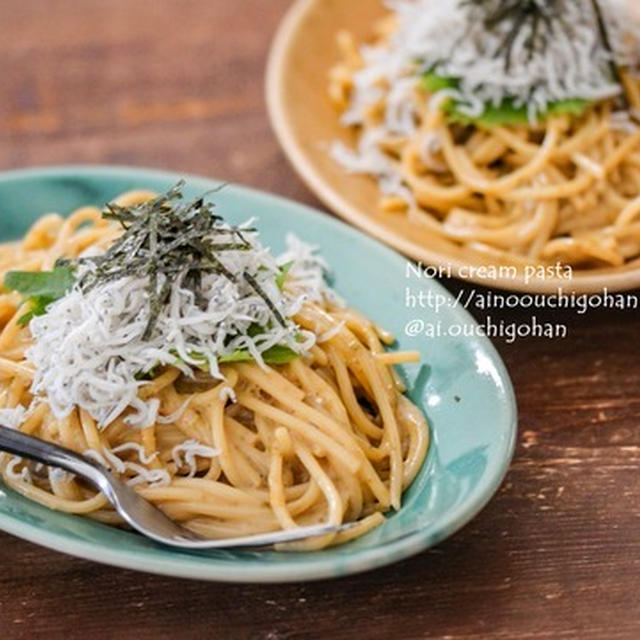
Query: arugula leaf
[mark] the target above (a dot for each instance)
(40, 288)
(282, 276)
(505, 113)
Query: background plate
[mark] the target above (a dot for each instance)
(463, 389)
(306, 123)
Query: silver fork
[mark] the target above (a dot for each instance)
(138, 512)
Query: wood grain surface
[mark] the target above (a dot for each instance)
(556, 554)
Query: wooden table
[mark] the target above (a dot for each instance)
(556, 554)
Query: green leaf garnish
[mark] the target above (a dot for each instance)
(278, 354)
(505, 113)
(432, 82)
(148, 375)
(53, 284)
(282, 276)
(40, 288)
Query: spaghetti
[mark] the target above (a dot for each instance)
(325, 437)
(562, 186)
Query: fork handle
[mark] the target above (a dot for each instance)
(127, 501)
(123, 498)
(21, 444)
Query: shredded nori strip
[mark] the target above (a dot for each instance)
(542, 17)
(169, 237)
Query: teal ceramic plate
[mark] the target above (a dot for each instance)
(462, 387)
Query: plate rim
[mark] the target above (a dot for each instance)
(205, 568)
(583, 281)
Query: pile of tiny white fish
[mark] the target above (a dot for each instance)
(92, 348)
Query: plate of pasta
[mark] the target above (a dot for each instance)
(490, 134)
(241, 361)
